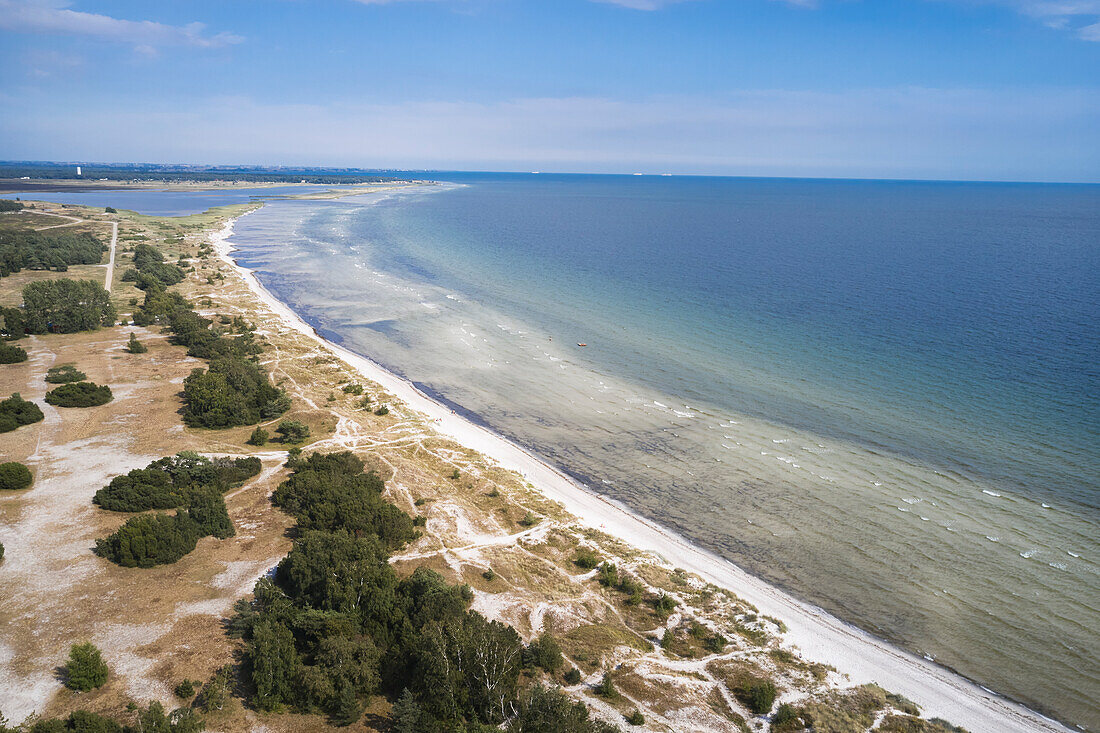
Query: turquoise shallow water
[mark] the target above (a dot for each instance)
(880, 395)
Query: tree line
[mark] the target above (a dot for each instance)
(27, 249)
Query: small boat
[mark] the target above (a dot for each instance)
(579, 343)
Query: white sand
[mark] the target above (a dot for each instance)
(819, 636)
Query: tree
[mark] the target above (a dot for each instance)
(292, 431)
(14, 476)
(185, 689)
(275, 663)
(67, 306)
(86, 669)
(259, 437)
(136, 347)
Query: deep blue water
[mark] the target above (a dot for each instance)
(909, 316)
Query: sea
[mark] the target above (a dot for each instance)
(882, 396)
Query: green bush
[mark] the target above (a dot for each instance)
(79, 394)
(185, 689)
(636, 718)
(292, 431)
(11, 354)
(15, 476)
(758, 695)
(259, 437)
(586, 559)
(16, 411)
(355, 389)
(136, 347)
(169, 482)
(12, 324)
(549, 710)
(64, 374)
(86, 669)
(1, 550)
(381, 411)
(606, 688)
(544, 653)
(66, 306)
(572, 677)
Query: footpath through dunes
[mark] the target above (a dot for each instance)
(820, 636)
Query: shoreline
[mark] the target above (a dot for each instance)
(817, 634)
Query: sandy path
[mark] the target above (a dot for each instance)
(71, 220)
(111, 261)
(820, 636)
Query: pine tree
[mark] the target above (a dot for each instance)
(86, 669)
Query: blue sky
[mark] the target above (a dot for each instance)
(971, 89)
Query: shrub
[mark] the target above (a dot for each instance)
(606, 688)
(185, 689)
(529, 520)
(573, 676)
(785, 716)
(86, 669)
(66, 306)
(16, 411)
(1, 550)
(355, 389)
(758, 695)
(169, 482)
(15, 476)
(12, 324)
(135, 346)
(455, 475)
(64, 374)
(259, 437)
(489, 575)
(586, 559)
(292, 431)
(664, 605)
(383, 410)
(11, 354)
(544, 653)
(636, 718)
(79, 394)
(110, 210)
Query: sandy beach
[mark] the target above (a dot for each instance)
(819, 636)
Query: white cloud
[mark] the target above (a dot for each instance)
(1080, 16)
(905, 133)
(48, 17)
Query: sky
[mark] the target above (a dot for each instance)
(940, 89)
